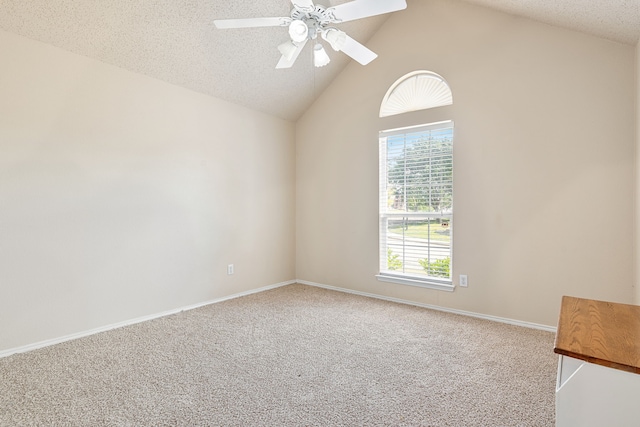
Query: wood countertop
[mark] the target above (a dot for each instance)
(604, 333)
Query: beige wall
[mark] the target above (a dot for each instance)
(544, 169)
(637, 196)
(122, 196)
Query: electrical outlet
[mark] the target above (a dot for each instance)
(464, 281)
(230, 269)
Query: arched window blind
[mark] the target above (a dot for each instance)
(418, 90)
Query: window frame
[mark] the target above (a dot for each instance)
(384, 275)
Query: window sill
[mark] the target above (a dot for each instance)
(444, 285)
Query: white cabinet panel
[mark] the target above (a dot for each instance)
(590, 395)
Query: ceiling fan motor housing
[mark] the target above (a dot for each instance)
(316, 18)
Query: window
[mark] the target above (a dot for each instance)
(416, 205)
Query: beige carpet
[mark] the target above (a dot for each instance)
(293, 356)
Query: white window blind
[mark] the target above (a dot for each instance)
(418, 90)
(416, 205)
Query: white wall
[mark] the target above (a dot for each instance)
(544, 162)
(122, 196)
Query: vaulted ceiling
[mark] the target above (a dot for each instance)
(176, 41)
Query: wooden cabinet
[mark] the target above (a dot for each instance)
(598, 381)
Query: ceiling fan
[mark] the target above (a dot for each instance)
(307, 21)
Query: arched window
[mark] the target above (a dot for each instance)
(416, 187)
(418, 90)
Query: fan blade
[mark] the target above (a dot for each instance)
(364, 8)
(251, 22)
(358, 51)
(303, 4)
(288, 63)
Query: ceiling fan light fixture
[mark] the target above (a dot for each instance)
(320, 57)
(336, 38)
(308, 20)
(288, 49)
(298, 31)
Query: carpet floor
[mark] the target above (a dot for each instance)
(292, 356)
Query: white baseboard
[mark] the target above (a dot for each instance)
(434, 307)
(47, 343)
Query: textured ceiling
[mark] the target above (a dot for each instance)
(176, 41)
(617, 20)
